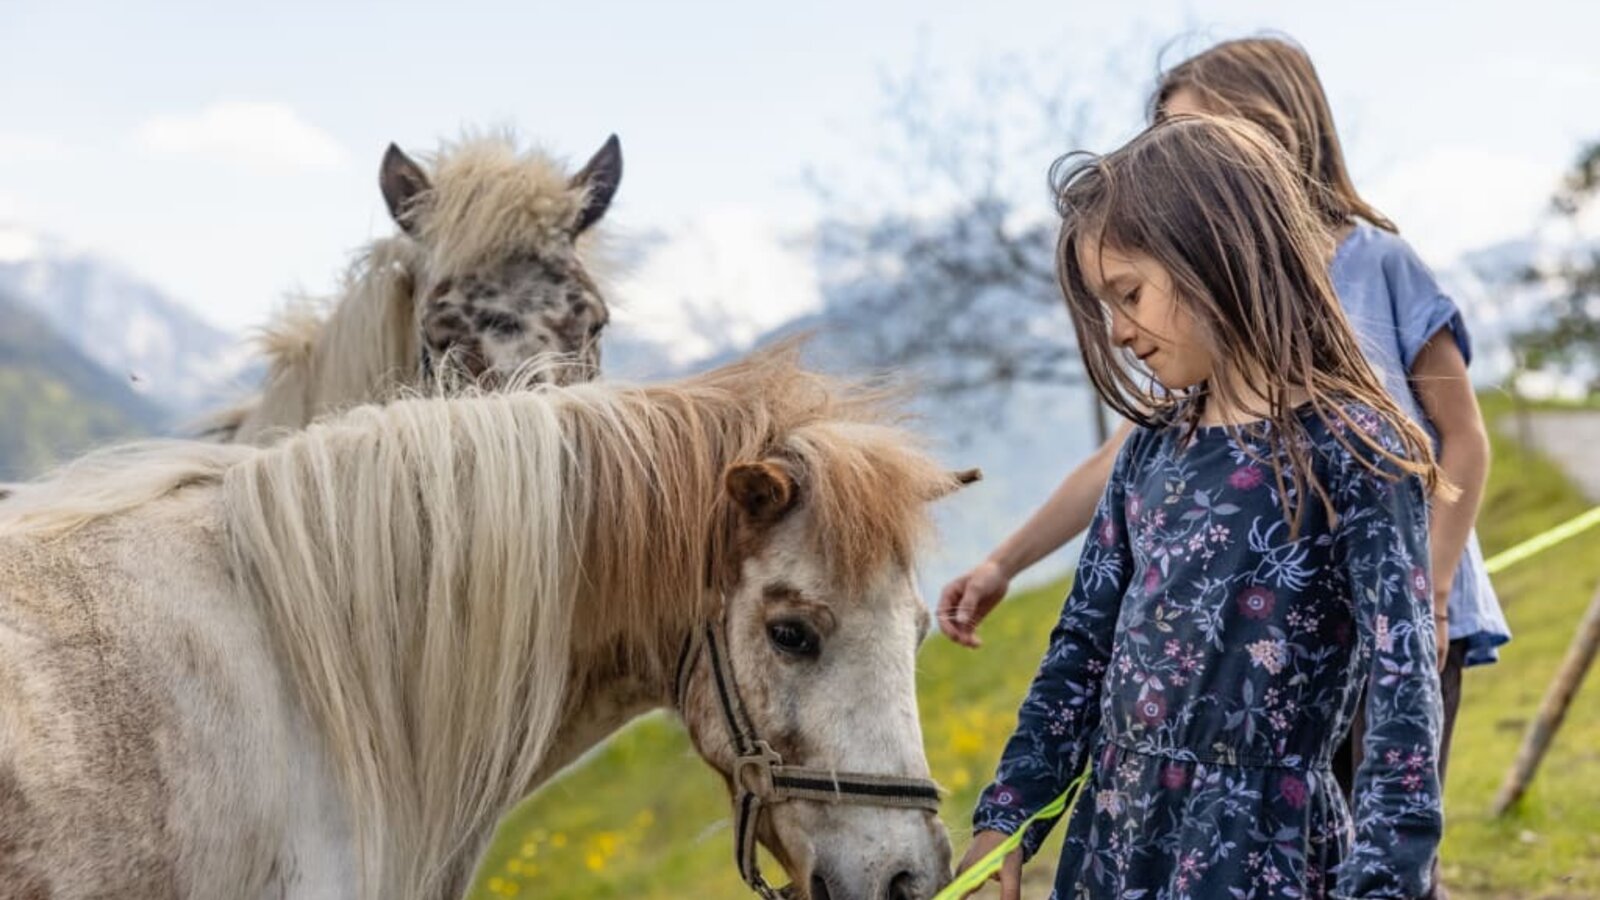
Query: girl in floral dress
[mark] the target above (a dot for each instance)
(1260, 552)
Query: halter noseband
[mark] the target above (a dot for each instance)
(759, 775)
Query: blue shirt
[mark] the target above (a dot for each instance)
(1395, 307)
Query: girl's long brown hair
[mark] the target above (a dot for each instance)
(1218, 204)
(1270, 81)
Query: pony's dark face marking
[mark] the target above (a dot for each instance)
(493, 322)
(539, 301)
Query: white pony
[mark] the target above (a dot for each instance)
(327, 668)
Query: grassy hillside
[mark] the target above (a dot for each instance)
(1548, 847)
(645, 818)
(54, 401)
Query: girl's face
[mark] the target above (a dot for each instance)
(1147, 316)
(1182, 102)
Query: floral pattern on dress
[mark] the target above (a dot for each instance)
(1206, 665)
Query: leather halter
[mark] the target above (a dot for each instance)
(760, 777)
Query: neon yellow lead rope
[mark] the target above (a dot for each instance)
(1542, 541)
(975, 875)
(981, 871)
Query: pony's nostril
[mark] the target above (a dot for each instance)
(901, 887)
(819, 888)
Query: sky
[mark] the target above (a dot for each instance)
(229, 153)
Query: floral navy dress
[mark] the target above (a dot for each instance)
(1207, 664)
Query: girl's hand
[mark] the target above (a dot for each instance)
(965, 602)
(1010, 873)
(1441, 618)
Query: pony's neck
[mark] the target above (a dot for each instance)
(465, 614)
(611, 685)
(369, 345)
(365, 347)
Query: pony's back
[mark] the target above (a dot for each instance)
(127, 654)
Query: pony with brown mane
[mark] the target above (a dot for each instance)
(490, 268)
(328, 667)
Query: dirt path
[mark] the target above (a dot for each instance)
(1572, 440)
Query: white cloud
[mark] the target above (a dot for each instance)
(16, 245)
(257, 136)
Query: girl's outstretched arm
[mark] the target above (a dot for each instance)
(968, 599)
(1061, 713)
(1381, 540)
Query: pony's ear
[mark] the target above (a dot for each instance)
(599, 177)
(402, 182)
(765, 490)
(957, 481)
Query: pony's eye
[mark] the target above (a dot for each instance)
(794, 638)
(595, 329)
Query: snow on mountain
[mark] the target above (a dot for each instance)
(167, 353)
(714, 284)
(684, 299)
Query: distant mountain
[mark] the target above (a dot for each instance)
(178, 361)
(54, 401)
(1488, 284)
(126, 325)
(686, 299)
(697, 299)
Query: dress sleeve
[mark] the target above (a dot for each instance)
(1059, 716)
(1381, 541)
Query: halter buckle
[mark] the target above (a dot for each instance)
(752, 771)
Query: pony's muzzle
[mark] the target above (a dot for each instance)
(905, 858)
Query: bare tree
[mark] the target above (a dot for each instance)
(942, 261)
(1568, 328)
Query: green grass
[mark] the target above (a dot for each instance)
(643, 817)
(1549, 845)
(1501, 397)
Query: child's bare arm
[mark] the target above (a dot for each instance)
(965, 601)
(1439, 375)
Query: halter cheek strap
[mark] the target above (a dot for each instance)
(759, 775)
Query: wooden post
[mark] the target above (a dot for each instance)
(1557, 698)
